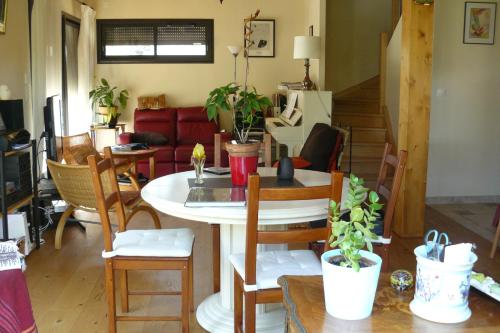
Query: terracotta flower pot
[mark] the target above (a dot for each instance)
(243, 159)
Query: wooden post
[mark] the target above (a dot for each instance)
(396, 13)
(384, 42)
(416, 85)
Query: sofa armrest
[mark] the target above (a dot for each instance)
(125, 138)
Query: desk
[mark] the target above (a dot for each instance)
(304, 300)
(168, 194)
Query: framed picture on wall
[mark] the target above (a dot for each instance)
(263, 39)
(3, 15)
(479, 25)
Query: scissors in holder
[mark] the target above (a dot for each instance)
(435, 242)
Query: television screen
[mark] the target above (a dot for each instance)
(54, 125)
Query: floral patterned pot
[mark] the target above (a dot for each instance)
(441, 290)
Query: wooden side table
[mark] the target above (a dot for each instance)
(136, 155)
(304, 300)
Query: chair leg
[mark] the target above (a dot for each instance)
(250, 312)
(385, 258)
(495, 242)
(216, 256)
(238, 303)
(60, 227)
(110, 295)
(191, 286)
(124, 290)
(185, 300)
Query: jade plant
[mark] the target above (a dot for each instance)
(353, 230)
(244, 101)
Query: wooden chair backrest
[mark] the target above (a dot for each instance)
(255, 236)
(265, 146)
(77, 148)
(390, 195)
(74, 184)
(104, 170)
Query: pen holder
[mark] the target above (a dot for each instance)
(441, 289)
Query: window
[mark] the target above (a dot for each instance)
(155, 41)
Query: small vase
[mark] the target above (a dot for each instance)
(198, 169)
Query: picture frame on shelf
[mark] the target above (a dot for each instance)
(263, 37)
(3, 15)
(479, 22)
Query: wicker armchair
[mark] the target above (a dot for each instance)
(74, 183)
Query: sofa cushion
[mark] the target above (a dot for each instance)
(164, 153)
(160, 121)
(319, 146)
(150, 138)
(194, 127)
(183, 153)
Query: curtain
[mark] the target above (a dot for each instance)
(86, 67)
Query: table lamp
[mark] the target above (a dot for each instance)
(307, 47)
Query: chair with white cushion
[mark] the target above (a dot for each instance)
(256, 273)
(154, 249)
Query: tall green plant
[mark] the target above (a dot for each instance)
(352, 234)
(242, 101)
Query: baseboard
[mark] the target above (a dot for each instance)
(463, 200)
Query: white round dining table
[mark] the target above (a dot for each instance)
(168, 195)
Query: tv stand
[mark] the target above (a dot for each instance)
(9, 205)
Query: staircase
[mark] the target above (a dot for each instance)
(359, 108)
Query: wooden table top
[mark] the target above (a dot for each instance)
(136, 154)
(304, 300)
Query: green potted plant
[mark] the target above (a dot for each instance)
(245, 103)
(107, 99)
(350, 274)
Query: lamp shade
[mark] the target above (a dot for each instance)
(235, 50)
(307, 47)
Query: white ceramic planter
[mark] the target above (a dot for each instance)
(350, 295)
(441, 290)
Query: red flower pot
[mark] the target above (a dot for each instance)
(243, 159)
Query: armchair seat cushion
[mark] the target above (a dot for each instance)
(176, 243)
(273, 264)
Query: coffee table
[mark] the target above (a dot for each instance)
(136, 155)
(168, 194)
(304, 301)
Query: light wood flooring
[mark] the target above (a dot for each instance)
(67, 289)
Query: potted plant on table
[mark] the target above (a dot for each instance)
(245, 103)
(350, 274)
(104, 97)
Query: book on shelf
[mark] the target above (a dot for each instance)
(216, 197)
(291, 86)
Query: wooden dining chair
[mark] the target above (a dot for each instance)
(495, 222)
(157, 249)
(256, 274)
(220, 140)
(390, 195)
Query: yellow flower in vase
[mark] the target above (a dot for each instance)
(198, 161)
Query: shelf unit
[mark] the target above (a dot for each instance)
(31, 199)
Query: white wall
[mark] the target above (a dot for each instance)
(353, 40)
(393, 78)
(464, 149)
(189, 84)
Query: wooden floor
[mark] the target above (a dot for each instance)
(67, 289)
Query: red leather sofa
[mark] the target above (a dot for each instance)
(183, 127)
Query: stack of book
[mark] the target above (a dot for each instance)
(291, 86)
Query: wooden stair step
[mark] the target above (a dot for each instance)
(369, 135)
(356, 106)
(362, 165)
(359, 120)
(365, 150)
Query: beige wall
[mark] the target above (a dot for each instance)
(14, 54)
(189, 84)
(464, 151)
(393, 78)
(353, 39)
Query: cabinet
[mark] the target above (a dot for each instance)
(23, 196)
